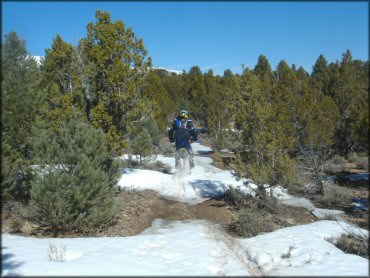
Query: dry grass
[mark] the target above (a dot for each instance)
(251, 223)
(237, 199)
(57, 255)
(335, 195)
(352, 244)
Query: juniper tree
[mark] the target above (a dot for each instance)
(315, 122)
(195, 92)
(264, 154)
(121, 62)
(20, 77)
(217, 112)
(75, 186)
(164, 104)
(350, 93)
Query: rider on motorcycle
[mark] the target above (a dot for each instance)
(183, 134)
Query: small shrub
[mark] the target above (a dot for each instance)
(16, 225)
(352, 157)
(269, 204)
(80, 194)
(57, 255)
(166, 149)
(251, 223)
(331, 168)
(311, 259)
(142, 145)
(336, 195)
(352, 244)
(288, 254)
(335, 164)
(237, 199)
(339, 160)
(158, 166)
(362, 163)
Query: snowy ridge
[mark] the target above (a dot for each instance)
(168, 70)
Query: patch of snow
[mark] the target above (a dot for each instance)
(167, 248)
(202, 183)
(168, 70)
(311, 253)
(193, 247)
(287, 199)
(325, 213)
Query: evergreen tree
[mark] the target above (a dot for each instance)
(75, 186)
(20, 78)
(156, 92)
(142, 144)
(121, 65)
(315, 123)
(196, 93)
(263, 69)
(217, 114)
(265, 145)
(61, 83)
(350, 93)
(175, 87)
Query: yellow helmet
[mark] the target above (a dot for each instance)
(183, 114)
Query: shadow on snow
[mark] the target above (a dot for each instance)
(209, 188)
(7, 264)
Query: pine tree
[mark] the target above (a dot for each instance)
(20, 100)
(75, 186)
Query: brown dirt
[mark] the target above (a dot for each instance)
(140, 208)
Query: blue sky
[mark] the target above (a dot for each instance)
(212, 35)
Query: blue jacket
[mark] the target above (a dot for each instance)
(181, 132)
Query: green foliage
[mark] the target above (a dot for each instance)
(218, 113)
(60, 82)
(75, 185)
(120, 67)
(102, 78)
(267, 136)
(350, 92)
(164, 103)
(142, 145)
(20, 99)
(144, 139)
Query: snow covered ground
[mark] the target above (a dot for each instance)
(192, 247)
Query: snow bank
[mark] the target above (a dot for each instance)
(310, 253)
(193, 247)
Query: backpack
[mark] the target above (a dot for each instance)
(182, 133)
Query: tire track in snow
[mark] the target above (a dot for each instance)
(216, 233)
